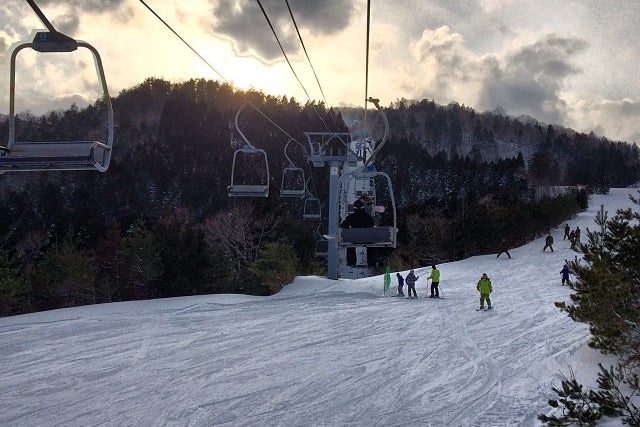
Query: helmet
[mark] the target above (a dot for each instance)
(358, 204)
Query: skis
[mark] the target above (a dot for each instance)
(484, 308)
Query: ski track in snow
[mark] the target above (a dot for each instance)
(321, 353)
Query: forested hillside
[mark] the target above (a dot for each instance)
(159, 223)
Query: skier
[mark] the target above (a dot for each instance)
(567, 232)
(503, 248)
(411, 284)
(485, 288)
(565, 274)
(435, 281)
(548, 243)
(400, 284)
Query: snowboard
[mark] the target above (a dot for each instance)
(484, 309)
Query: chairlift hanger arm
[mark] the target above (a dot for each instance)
(287, 145)
(379, 146)
(244, 138)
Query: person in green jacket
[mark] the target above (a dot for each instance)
(485, 288)
(435, 280)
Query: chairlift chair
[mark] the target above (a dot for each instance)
(61, 155)
(249, 170)
(246, 180)
(322, 248)
(312, 208)
(378, 236)
(293, 181)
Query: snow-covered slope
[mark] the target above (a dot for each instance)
(320, 352)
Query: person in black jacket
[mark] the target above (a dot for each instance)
(358, 219)
(504, 249)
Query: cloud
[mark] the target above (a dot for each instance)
(244, 24)
(619, 118)
(446, 68)
(531, 79)
(67, 24)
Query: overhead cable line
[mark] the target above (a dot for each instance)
(255, 107)
(305, 52)
(295, 24)
(264, 12)
(366, 72)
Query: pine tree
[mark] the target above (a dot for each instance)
(63, 277)
(13, 289)
(276, 266)
(143, 265)
(607, 298)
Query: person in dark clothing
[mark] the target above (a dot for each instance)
(400, 284)
(548, 243)
(504, 249)
(411, 280)
(357, 219)
(576, 239)
(565, 274)
(567, 232)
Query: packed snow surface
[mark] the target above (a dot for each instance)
(319, 353)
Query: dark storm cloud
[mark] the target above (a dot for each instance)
(243, 22)
(14, 12)
(94, 6)
(531, 79)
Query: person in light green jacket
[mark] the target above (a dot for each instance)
(485, 288)
(435, 280)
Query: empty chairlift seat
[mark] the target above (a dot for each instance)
(55, 155)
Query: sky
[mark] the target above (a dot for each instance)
(572, 63)
(320, 352)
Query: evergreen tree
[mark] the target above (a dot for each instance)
(607, 298)
(276, 266)
(142, 262)
(63, 277)
(14, 295)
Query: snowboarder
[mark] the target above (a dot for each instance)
(567, 232)
(565, 274)
(504, 249)
(548, 243)
(411, 284)
(485, 288)
(400, 284)
(435, 281)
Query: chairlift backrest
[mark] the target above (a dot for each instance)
(58, 155)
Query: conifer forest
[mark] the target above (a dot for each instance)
(159, 222)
